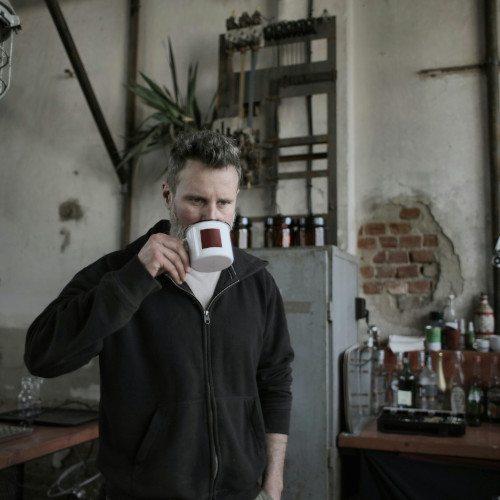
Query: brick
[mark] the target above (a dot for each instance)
(430, 240)
(426, 256)
(380, 258)
(396, 288)
(375, 228)
(408, 271)
(372, 287)
(399, 228)
(367, 243)
(367, 271)
(419, 286)
(412, 241)
(409, 213)
(388, 241)
(386, 272)
(360, 231)
(398, 257)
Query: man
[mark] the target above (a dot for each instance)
(195, 367)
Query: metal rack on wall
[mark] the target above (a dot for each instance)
(263, 89)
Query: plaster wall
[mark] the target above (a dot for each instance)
(424, 139)
(399, 136)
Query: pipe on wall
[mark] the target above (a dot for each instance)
(491, 35)
(125, 173)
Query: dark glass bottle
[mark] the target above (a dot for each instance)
(278, 232)
(493, 393)
(475, 396)
(406, 386)
(241, 235)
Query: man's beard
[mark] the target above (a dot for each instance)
(177, 229)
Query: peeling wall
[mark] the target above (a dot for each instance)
(402, 141)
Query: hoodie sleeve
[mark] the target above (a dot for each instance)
(274, 376)
(97, 302)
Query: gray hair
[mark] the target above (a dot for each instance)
(211, 148)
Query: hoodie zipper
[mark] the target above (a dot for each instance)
(211, 406)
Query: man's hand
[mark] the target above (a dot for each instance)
(273, 475)
(165, 253)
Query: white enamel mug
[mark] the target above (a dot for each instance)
(210, 247)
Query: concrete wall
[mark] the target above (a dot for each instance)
(402, 139)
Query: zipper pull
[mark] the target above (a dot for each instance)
(207, 318)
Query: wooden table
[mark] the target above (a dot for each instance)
(402, 460)
(43, 441)
(478, 442)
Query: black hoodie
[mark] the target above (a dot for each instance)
(187, 394)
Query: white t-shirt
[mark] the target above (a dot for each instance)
(202, 285)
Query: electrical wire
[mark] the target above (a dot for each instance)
(241, 97)
(251, 87)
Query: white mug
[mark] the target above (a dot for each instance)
(482, 345)
(209, 244)
(495, 342)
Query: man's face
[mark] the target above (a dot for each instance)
(202, 193)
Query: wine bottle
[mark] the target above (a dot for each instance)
(427, 386)
(406, 386)
(456, 385)
(475, 396)
(441, 383)
(493, 393)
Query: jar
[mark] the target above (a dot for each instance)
(312, 231)
(484, 318)
(278, 231)
(241, 234)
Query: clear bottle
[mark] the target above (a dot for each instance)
(456, 385)
(393, 396)
(441, 383)
(427, 390)
(449, 314)
(380, 384)
(420, 364)
(406, 386)
(475, 396)
(493, 393)
(366, 362)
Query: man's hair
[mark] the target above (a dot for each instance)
(211, 148)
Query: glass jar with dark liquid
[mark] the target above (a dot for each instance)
(278, 231)
(241, 234)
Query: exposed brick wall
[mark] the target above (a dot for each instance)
(399, 257)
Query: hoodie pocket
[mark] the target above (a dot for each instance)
(173, 459)
(242, 443)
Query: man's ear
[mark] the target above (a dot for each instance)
(167, 194)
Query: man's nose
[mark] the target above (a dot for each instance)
(210, 212)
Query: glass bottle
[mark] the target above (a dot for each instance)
(393, 391)
(427, 386)
(484, 317)
(493, 393)
(366, 354)
(470, 337)
(475, 396)
(420, 364)
(449, 314)
(406, 386)
(456, 386)
(441, 383)
(380, 384)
